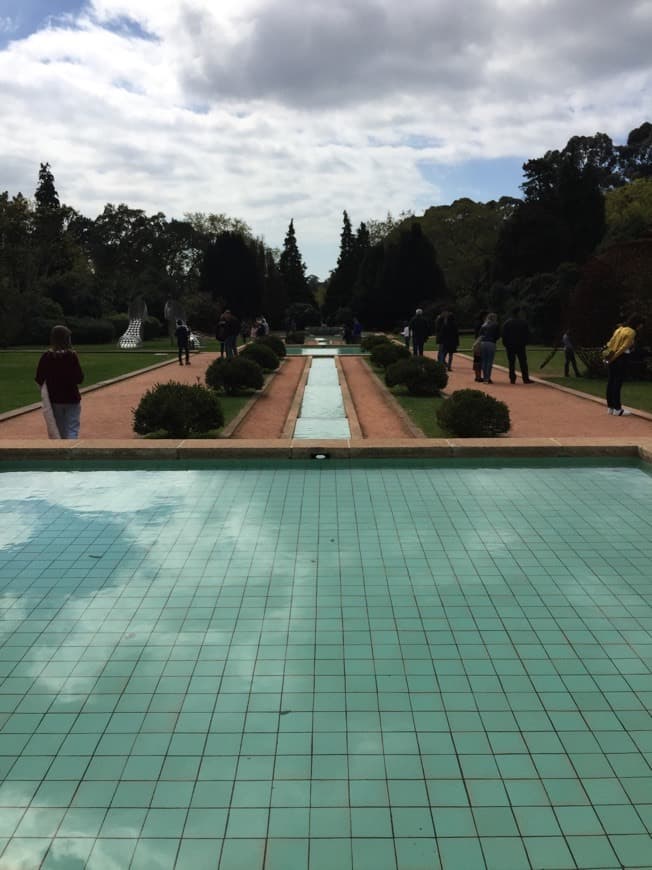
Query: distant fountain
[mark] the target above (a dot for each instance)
(133, 337)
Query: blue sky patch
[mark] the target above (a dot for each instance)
(480, 180)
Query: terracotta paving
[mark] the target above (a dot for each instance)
(537, 410)
(267, 417)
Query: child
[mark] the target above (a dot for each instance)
(569, 354)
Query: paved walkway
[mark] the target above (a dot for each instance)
(536, 409)
(539, 409)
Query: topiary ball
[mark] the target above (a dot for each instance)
(383, 355)
(262, 354)
(421, 376)
(178, 409)
(277, 344)
(369, 341)
(473, 414)
(235, 375)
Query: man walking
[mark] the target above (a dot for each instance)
(419, 327)
(182, 334)
(516, 335)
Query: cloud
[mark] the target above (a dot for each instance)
(267, 109)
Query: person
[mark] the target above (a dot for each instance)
(488, 335)
(419, 328)
(220, 334)
(232, 332)
(182, 335)
(569, 354)
(264, 324)
(448, 338)
(477, 347)
(516, 335)
(60, 372)
(357, 331)
(616, 355)
(405, 332)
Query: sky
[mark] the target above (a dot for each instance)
(268, 110)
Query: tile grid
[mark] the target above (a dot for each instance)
(459, 656)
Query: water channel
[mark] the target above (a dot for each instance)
(322, 413)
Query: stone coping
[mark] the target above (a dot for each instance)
(289, 448)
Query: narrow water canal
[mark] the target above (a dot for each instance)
(322, 412)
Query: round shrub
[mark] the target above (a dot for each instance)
(367, 342)
(178, 409)
(120, 323)
(419, 374)
(387, 352)
(261, 354)
(295, 337)
(277, 344)
(234, 375)
(473, 414)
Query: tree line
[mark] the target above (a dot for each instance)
(571, 250)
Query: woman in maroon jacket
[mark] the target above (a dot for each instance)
(60, 371)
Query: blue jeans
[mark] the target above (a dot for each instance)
(488, 351)
(67, 419)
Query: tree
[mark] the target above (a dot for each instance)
(339, 291)
(293, 270)
(230, 274)
(629, 212)
(636, 156)
(397, 278)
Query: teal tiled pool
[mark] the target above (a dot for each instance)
(388, 666)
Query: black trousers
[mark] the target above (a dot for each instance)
(184, 348)
(514, 351)
(418, 344)
(569, 360)
(617, 371)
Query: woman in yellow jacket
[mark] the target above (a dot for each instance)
(617, 352)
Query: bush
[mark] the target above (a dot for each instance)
(261, 354)
(593, 361)
(234, 375)
(120, 323)
(473, 414)
(385, 354)
(152, 328)
(277, 344)
(89, 330)
(295, 338)
(178, 409)
(369, 341)
(422, 376)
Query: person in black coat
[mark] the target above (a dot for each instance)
(448, 338)
(516, 335)
(420, 330)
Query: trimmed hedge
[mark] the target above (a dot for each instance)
(387, 352)
(275, 343)
(367, 342)
(152, 328)
(90, 330)
(178, 409)
(473, 414)
(235, 375)
(261, 354)
(419, 374)
(296, 337)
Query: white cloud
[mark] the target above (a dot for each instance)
(267, 110)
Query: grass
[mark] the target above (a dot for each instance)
(422, 410)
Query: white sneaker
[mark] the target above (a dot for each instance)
(610, 411)
(623, 412)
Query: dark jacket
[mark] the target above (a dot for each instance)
(221, 332)
(447, 334)
(489, 332)
(182, 334)
(516, 332)
(61, 371)
(419, 327)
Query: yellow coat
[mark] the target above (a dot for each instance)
(621, 341)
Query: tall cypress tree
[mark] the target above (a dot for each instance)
(339, 293)
(293, 270)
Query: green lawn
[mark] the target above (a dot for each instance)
(422, 411)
